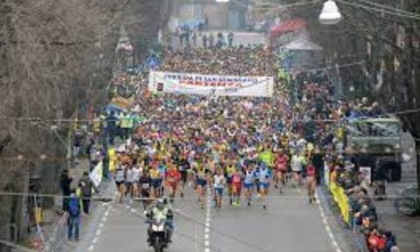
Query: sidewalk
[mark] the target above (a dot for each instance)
(406, 229)
(54, 229)
(54, 224)
(58, 239)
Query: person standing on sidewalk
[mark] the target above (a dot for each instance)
(65, 182)
(111, 127)
(86, 187)
(230, 39)
(74, 214)
(77, 143)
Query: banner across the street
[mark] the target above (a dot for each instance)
(183, 83)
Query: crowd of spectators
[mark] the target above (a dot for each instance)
(363, 215)
(316, 104)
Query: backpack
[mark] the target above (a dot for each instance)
(74, 207)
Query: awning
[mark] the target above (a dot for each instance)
(302, 45)
(287, 26)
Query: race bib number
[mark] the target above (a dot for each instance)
(171, 180)
(146, 186)
(236, 179)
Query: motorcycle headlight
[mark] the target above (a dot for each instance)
(397, 146)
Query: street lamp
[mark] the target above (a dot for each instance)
(330, 15)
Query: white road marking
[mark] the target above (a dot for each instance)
(207, 229)
(99, 231)
(327, 226)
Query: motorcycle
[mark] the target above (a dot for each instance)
(158, 239)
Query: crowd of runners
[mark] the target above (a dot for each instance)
(239, 147)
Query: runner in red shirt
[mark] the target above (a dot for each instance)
(173, 176)
(280, 165)
(237, 178)
(311, 181)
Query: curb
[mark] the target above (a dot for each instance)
(59, 241)
(346, 238)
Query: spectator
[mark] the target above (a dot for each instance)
(86, 186)
(77, 143)
(230, 39)
(390, 241)
(395, 249)
(65, 182)
(74, 214)
(111, 123)
(205, 39)
(211, 40)
(194, 38)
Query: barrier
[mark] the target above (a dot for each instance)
(340, 197)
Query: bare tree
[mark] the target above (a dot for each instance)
(385, 35)
(56, 56)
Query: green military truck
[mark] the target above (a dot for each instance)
(377, 141)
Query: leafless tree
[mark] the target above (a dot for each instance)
(386, 36)
(56, 56)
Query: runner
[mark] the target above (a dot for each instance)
(311, 182)
(137, 173)
(230, 169)
(249, 182)
(280, 169)
(156, 178)
(172, 178)
(201, 179)
(145, 186)
(237, 179)
(184, 171)
(120, 180)
(209, 135)
(219, 183)
(264, 175)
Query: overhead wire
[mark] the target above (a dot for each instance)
(390, 8)
(108, 200)
(394, 13)
(271, 6)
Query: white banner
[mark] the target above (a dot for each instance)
(96, 174)
(217, 85)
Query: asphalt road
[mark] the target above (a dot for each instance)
(289, 224)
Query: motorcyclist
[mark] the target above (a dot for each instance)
(161, 210)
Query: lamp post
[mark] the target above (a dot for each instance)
(330, 15)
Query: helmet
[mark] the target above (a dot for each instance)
(160, 204)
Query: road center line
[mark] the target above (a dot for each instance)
(99, 231)
(207, 228)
